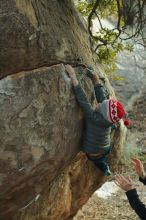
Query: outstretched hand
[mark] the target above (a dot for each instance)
(124, 183)
(71, 72)
(139, 168)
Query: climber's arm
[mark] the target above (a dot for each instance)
(79, 93)
(98, 87)
(83, 102)
(99, 93)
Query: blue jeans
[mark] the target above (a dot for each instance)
(101, 162)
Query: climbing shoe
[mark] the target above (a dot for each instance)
(107, 172)
(103, 167)
(101, 163)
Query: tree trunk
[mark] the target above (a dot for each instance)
(40, 122)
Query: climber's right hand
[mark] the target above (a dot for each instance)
(71, 72)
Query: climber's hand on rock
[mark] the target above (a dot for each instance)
(124, 183)
(71, 72)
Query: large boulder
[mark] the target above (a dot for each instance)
(43, 174)
(40, 131)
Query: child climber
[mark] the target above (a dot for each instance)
(96, 139)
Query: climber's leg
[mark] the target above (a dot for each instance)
(100, 160)
(101, 163)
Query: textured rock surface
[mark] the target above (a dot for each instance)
(36, 141)
(29, 38)
(65, 196)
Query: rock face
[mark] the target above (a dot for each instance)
(35, 114)
(40, 134)
(39, 33)
(42, 174)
